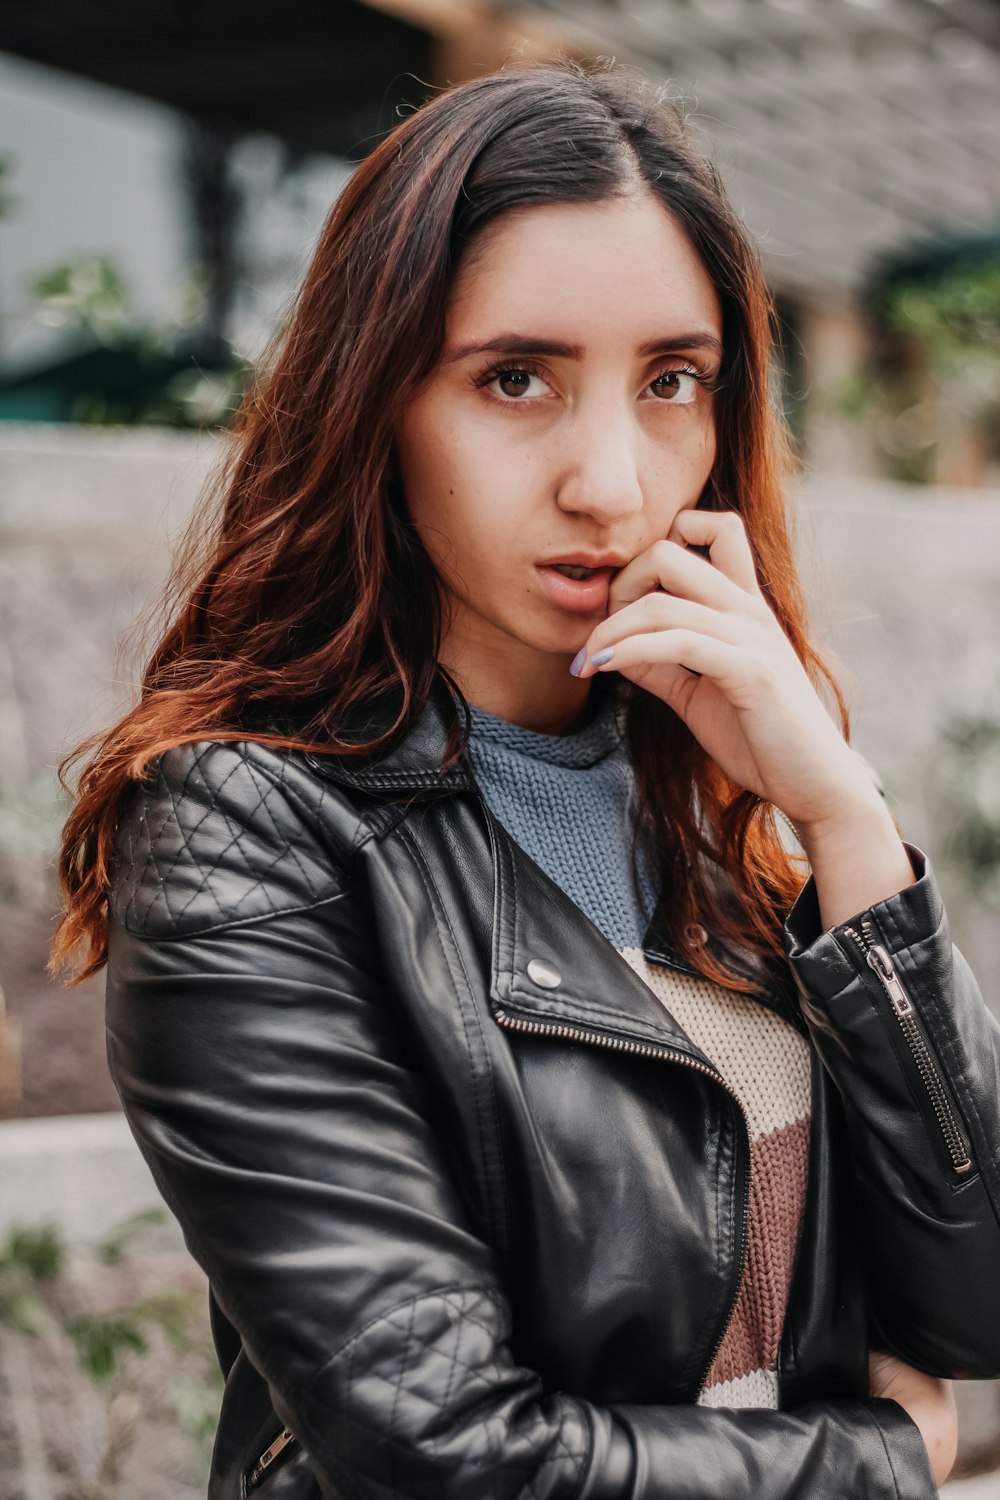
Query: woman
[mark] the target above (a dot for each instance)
(542, 1130)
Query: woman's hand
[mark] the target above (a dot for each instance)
(929, 1402)
(700, 634)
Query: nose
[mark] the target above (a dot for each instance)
(601, 474)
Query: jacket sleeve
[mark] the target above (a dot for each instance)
(253, 1040)
(903, 1030)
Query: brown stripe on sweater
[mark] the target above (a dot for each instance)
(779, 1164)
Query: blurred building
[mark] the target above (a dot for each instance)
(851, 133)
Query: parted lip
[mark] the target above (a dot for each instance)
(587, 560)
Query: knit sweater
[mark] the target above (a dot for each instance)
(569, 801)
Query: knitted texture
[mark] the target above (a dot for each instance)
(569, 801)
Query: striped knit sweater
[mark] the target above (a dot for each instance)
(569, 801)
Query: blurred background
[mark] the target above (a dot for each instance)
(164, 171)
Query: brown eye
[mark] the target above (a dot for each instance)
(676, 386)
(511, 384)
(514, 382)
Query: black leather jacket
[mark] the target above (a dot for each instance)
(474, 1226)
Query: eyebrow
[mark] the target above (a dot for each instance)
(519, 343)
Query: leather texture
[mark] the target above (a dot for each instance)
(470, 1237)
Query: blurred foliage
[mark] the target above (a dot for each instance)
(44, 1299)
(161, 377)
(38, 1252)
(954, 318)
(101, 1341)
(30, 1258)
(901, 416)
(164, 371)
(964, 786)
(943, 375)
(932, 385)
(8, 200)
(112, 1248)
(88, 294)
(196, 1407)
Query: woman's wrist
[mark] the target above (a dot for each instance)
(929, 1403)
(857, 858)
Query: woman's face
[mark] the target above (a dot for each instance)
(569, 418)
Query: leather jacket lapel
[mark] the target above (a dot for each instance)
(551, 964)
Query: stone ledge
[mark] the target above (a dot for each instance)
(81, 1173)
(983, 1487)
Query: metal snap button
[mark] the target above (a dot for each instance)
(697, 934)
(545, 974)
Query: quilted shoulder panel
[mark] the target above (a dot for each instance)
(221, 833)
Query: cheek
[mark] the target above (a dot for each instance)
(709, 446)
(460, 488)
(699, 454)
(684, 458)
(423, 456)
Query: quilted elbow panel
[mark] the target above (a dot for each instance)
(430, 1402)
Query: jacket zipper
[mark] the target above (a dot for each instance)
(648, 1049)
(260, 1469)
(879, 961)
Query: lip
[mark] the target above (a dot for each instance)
(583, 596)
(586, 560)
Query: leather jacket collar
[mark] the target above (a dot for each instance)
(414, 764)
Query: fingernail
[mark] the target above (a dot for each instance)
(600, 657)
(576, 665)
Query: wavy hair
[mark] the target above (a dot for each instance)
(292, 599)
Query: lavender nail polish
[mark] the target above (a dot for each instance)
(600, 657)
(576, 665)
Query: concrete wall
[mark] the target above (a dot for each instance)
(87, 517)
(905, 588)
(81, 1173)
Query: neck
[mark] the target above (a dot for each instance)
(517, 682)
(561, 711)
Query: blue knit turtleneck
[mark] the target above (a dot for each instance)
(569, 801)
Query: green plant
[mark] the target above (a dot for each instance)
(88, 294)
(953, 319)
(167, 383)
(47, 1299)
(955, 315)
(30, 1259)
(935, 372)
(113, 1247)
(966, 780)
(8, 200)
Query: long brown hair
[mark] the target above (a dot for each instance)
(294, 595)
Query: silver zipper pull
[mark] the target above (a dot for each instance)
(268, 1456)
(879, 960)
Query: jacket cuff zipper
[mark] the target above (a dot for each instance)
(926, 1072)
